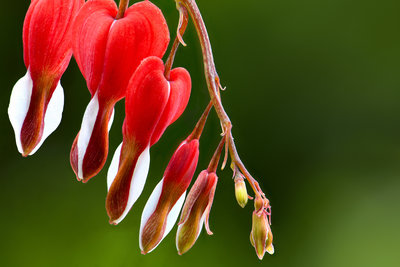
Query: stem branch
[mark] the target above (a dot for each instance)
(213, 84)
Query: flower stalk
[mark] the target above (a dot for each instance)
(214, 86)
(123, 6)
(183, 22)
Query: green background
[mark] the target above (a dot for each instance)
(313, 90)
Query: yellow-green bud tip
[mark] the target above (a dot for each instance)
(241, 192)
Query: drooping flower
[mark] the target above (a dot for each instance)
(196, 210)
(163, 207)
(152, 104)
(108, 51)
(37, 99)
(261, 234)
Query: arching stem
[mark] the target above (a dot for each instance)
(214, 86)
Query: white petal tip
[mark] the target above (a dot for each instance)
(138, 178)
(19, 105)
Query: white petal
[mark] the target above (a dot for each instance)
(174, 214)
(53, 115)
(113, 169)
(150, 208)
(137, 183)
(110, 122)
(19, 105)
(89, 119)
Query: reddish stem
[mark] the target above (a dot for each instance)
(123, 6)
(212, 167)
(214, 85)
(183, 22)
(198, 129)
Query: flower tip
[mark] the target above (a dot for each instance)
(182, 251)
(28, 148)
(260, 256)
(143, 252)
(271, 249)
(113, 222)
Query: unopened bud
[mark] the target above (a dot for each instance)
(261, 235)
(241, 191)
(258, 203)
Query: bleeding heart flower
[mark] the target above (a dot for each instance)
(152, 104)
(37, 99)
(163, 207)
(196, 210)
(108, 51)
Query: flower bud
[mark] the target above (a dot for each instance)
(241, 191)
(163, 207)
(196, 211)
(261, 235)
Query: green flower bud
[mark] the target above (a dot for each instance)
(241, 191)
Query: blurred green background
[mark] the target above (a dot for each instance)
(313, 90)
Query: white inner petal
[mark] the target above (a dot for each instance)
(19, 105)
(89, 119)
(110, 122)
(174, 214)
(113, 169)
(53, 115)
(151, 206)
(138, 180)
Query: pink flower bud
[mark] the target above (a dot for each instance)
(37, 99)
(196, 211)
(108, 51)
(151, 105)
(163, 207)
(261, 234)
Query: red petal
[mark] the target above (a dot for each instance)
(180, 84)
(90, 32)
(180, 80)
(180, 170)
(108, 51)
(47, 36)
(147, 96)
